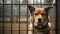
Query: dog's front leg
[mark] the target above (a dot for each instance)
(30, 28)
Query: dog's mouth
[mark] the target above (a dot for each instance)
(41, 26)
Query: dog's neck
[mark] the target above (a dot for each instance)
(44, 29)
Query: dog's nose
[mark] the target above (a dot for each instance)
(39, 20)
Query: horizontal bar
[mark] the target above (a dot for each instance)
(23, 30)
(27, 4)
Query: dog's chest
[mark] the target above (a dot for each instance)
(40, 31)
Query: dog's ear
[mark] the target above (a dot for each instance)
(47, 8)
(32, 9)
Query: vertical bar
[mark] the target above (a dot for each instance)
(33, 18)
(3, 16)
(41, 3)
(11, 14)
(56, 18)
(42, 6)
(27, 18)
(19, 16)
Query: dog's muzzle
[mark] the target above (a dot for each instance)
(41, 26)
(39, 23)
(38, 26)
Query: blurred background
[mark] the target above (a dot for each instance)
(14, 15)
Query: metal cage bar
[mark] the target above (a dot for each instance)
(27, 19)
(11, 15)
(19, 17)
(56, 18)
(27, 4)
(33, 20)
(27, 16)
(3, 16)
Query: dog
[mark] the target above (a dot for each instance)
(39, 20)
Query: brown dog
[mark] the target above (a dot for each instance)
(39, 17)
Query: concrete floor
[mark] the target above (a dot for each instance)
(15, 28)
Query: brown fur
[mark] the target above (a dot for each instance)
(39, 13)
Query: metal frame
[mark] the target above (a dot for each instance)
(27, 16)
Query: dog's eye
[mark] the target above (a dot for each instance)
(43, 14)
(36, 14)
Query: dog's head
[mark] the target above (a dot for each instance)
(39, 16)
